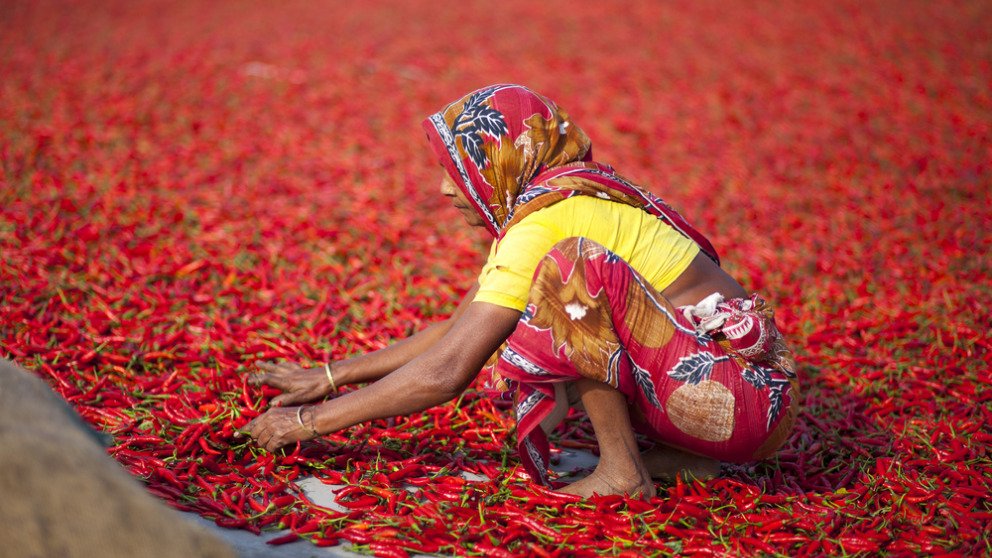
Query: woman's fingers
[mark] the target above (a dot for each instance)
(270, 367)
(299, 385)
(262, 377)
(273, 374)
(275, 428)
(278, 367)
(271, 380)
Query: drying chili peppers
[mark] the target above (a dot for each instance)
(179, 199)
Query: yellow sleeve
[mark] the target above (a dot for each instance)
(506, 278)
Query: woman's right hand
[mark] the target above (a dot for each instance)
(299, 385)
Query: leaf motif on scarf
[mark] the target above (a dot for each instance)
(775, 395)
(475, 120)
(473, 148)
(757, 376)
(489, 121)
(695, 368)
(644, 382)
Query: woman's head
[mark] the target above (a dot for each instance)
(493, 141)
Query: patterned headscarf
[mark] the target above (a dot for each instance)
(512, 152)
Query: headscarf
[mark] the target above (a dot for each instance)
(512, 152)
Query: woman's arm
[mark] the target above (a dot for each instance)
(303, 385)
(377, 364)
(438, 375)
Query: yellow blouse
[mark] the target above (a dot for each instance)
(658, 252)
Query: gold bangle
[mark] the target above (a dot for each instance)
(330, 377)
(299, 418)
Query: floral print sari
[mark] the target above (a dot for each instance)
(719, 382)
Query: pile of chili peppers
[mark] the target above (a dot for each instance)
(186, 187)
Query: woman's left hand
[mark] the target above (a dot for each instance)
(278, 427)
(299, 385)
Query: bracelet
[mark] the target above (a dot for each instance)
(299, 418)
(330, 377)
(313, 423)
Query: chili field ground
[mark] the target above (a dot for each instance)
(189, 186)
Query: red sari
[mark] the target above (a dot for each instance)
(718, 381)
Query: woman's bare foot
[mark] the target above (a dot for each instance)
(620, 469)
(604, 485)
(665, 462)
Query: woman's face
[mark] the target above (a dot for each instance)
(461, 203)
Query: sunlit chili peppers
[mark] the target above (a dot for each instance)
(169, 215)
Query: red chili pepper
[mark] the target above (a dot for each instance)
(364, 502)
(166, 492)
(534, 525)
(211, 504)
(190, 434)
(269, 520)
(555, 496)
(173, 415)
(170, 477)
(231, 522)
(404, 472)
(787, 538)
(357, 536)
(206, 447)
(308, 527)
(139, 440)
(152, 460)
(287, 538)
(388, 549)
(283, 501)
(539, 551)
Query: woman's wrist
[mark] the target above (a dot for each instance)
(329, 371)
(336, 374)
(324, 416)
(312, 428)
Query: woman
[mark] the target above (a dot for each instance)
(596, 294)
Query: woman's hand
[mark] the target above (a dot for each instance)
(280, 426)
(300, 385)
(438, 375)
